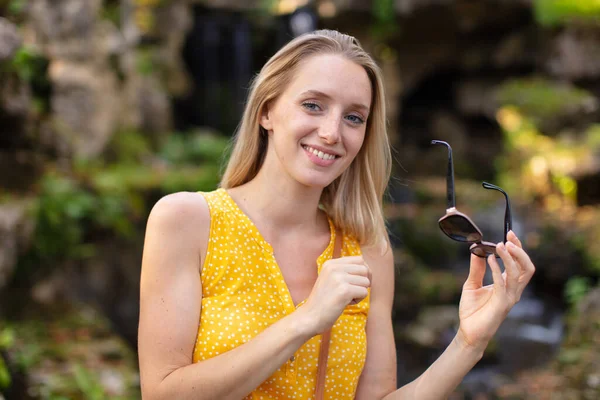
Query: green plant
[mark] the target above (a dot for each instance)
(14, 9)
(29, 64)
(539, 99)
(111, 11)
(195, 148)
(32, 68)
(5, 379)
(129, 147)
(556, 12)
(145, 62)
(384, 16)
(576, 289)
(88, 384)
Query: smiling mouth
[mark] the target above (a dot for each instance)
(320, 154)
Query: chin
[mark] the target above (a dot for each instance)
(313, 180)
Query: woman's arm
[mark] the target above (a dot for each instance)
(482, 310)
(170, 298)
(170, 301)
(379, 373)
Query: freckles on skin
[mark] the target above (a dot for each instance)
(340, 92)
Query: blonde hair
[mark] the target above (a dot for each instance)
(354, 201)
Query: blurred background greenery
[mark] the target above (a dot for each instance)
(107, 105)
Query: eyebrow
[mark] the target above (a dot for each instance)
(318, 93)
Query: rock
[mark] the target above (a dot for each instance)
(434, 326)
(476, 97)
(15, 113)
(574, 54)
(86, 105)
(21, 168)
(16, 231)
(10, 40)
(66, 28)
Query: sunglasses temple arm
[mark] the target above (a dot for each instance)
(507, 212)
(507, 218)
(450, 194)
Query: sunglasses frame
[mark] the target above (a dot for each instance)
(478, 247)
(488, 247)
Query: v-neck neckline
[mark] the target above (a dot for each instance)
(258, 237)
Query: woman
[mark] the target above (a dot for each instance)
(239, 284)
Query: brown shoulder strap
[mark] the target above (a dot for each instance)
(325, 336)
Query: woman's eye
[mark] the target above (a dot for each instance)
(355, 119)
(311, 106)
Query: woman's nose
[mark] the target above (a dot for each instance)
(330, 130)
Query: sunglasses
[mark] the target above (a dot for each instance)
(457, 226)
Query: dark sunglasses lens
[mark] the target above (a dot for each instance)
(483, 250)
(459, 228)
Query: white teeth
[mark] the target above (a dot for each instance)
(320, 154)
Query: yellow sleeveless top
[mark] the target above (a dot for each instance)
(243, 292)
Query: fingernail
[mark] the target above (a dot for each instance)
(510, 245)
(501, 245)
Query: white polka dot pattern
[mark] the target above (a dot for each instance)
(243, 292)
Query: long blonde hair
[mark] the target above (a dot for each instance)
(354, 201)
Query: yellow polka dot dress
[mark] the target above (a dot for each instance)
(243, 292)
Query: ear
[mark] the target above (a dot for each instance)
(265, 118)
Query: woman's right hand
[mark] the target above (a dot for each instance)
(342, 281)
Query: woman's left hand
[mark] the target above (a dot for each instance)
(483, 308)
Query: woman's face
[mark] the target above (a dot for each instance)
(317, 125)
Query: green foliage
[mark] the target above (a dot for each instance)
(5, 379)
(145, 63)
(13, 9)
(568, 356)
(576, 289)
(62, 208)
(538, 166)
(195, 148)
(32, 68)
(556, 12)
(129, 147)
(29, 64)
(111, 11)
(111, 197)
(88, 384)
(267, 7)
(66, 212)
(7, 339)
(70, 346)
(540, 99)
(385, 18)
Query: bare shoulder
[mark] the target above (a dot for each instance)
(179, 221)
(179, 210)
(380, 258)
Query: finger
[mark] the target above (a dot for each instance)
(512, 237)
(356, 269)
(348, 260)
(476, 273)
(369, 272)
(359, 281)
(357, 293)
(510, 267)
(499, 283)
(524, 262)
(346, 269)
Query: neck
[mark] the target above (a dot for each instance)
(278, 202)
